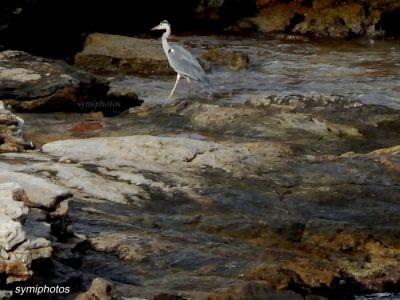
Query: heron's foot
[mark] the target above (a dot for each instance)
(181, 103)
(176, 105)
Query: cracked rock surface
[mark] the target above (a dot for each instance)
(25, 236)
(297, 196)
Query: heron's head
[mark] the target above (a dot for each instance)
(164, 25)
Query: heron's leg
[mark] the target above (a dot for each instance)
(189, 87)
(173, 90)
(178, 76)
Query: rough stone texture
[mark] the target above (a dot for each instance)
(41, 192)
(233, 60)
(326, 18)
(106, 53)
(341, 21)
(99, 289)
(19, 242)
(252, 291)
(272, 19)
(12, 199)
(146, 151)
(11, 133)
(282, 196)
(30, 83)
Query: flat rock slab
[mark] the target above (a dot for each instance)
(41, 192)
(106, 53)
(167, 152)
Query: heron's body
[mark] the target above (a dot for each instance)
(184, 64)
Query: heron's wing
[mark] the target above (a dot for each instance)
(184, 63)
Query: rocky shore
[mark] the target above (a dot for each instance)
(297, 197)
(286, 196)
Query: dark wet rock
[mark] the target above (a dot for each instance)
(99, 289)
(341, 21)
(165, 296)
(11, 132)
(106, 53)
(325, 18)
(30, 83)
(273, 19)
(252, 291)
(233, 60)
(315, 297)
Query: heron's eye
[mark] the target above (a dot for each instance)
(170, 50)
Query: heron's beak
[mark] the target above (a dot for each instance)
(156, 27)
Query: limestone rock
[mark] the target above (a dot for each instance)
(41, 193)
(12, 201)
(11, 132)
(22, 239)
(179, 153)
(99, 289)
(106, 53)
(11, 233)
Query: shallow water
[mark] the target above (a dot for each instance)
(363, 69)
(366, 70)
(379, 296)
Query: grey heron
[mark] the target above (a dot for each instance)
(184, 64)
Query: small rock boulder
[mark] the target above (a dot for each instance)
(41, 192)
(232, 59)
(11, 138)
(99, 289)
(108, 54)
(29, 83)
(273, 19)
(20, 243)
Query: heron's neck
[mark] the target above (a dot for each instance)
(164, 41)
